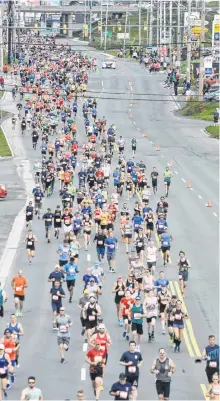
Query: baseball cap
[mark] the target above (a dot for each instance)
(96, 263)
(102, 326)
(86, 291)
(122, 376)
(91, 295)
(7, 331)
(138, 298)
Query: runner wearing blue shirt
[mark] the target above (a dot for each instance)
(70, 270)
(121, 390)
(117, 178)
(63, 251)
(88, 276)
(161, 281)
(137, 222)
(111, 244)
(165, 246)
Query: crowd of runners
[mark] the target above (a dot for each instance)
(104, 198)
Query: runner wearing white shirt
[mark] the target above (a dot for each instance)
(106, 170)
(98, 272)
(151, 256)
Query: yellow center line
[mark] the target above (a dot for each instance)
(203, 388)
(188, 321)
(185, 334)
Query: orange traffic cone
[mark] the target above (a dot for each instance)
(209, 204)
(130, 116)
(171, 163)
(157, 147)
(145, 133)
(189, 185)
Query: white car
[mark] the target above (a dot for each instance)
(109, 63)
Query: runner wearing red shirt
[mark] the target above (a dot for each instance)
(125, 304)
(96, 358)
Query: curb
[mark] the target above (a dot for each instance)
(8, 143)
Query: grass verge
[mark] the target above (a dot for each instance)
(213, 131)
(4, 148)
(193, 109)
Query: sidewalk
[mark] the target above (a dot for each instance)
(11, 177)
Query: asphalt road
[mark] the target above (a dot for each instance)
(193, 225)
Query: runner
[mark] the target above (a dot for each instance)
(163, 367)
(63, 323)
(19, 283)
(132, 360)
(31, 392)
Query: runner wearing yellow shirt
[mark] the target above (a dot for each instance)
(104, 220)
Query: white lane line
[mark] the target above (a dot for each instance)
(183, 180)
(176, 172)
(199, 196)
(88, 257)
(85, 347)
(129, 110)
(215, 214)
(151, 142)
(83, 374)
(162, 155)
(191, 189)
(131, 89)
(102, 83)
(134, 123)
(138, 129)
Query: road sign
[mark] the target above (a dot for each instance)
(198, 22)
(197, 29)
(108, 34)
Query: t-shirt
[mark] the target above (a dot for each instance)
(126, 304)
(70, 269)
(58, 276)
(32, 393)
(154, 175)
(151, 254)
(64, 252)
(55, 297)
(112, 244)
(19, 283)
(61, 322)
(124, 390)
(135, 357)
(100, 240)
(87, 277)
(161, 281)
(98, 272)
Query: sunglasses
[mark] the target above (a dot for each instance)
(31, 382)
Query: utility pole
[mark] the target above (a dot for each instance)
(202, 47)
(90, 21)
(125, 31)
(85, 16)
(164, 27)
(10, 33)
(170, 29)
(18, 31)
(150, 37)
(178, 34)
(189, 47)
(160, 22)
(1, 38)
(106, 26)
(139, 25)
(101, 26)
(158, 25)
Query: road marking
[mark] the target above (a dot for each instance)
(185, 334)
(188, 322)
(176, 172)
(199, 196)
(85, 347)
(129, 110)
(83, 373)
(88, 257)
(191, 189)
(162, 155)
(102, 83)
(183, 180)
(215, 214)
(138, 129)
(134, 123)
(203, 388)
(151, 142)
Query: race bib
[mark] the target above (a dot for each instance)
(55, 297)
(28, 213)
(38, 197)
(132, 369)
(112, 246)
(2, 371)
(91, 318)
(165, 243)
(29, 242)
(178, 317)
(67, 221)
(8, 350)
(140, 244)
(123, 395)
(98, 358)
(136, 225)
(160, 225)
(180, 277)
(77, 226)
(58, 220)
(137, 316)
(100, 242)
(102, 347)
(63, 329)
(18, 289)
(120, 293)
(212, 364)
(150, 220)
(71, 271)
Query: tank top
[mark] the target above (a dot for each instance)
(9, 345)
(164, 368)
(148, 282)
(183, 264)
(216, 390)
(103, 342)
(30, 241)
(3, 365)
(178, 316)
(151, 307)
(90, 316)
(1, 298)
(140, 242)
(14, 328)
(119, 294)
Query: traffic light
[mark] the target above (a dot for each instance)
(145, 25)
(64, 29)
(119, 26)
(185, 39)
(99, 26)
(113, 29)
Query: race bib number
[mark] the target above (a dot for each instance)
(55, 297)
(71, 271)
(67, 221)
(112, 246)
(100, 242)
(58, 220)
(212, 364)
(120, 293)
(28, 213)
(137, 316)
(150, 220)
(38, 197)
(180, 277)
(63, 329)
(8, 350)
(2, 371)
(178, 317)
(18, 289)
(160, 226)
(140, 244)
(131, 369)
(77, 226)
(91, 318)
(136, 225)
(165, 243)
(123, 395)
(29, 242)
(102, 347)
(98, 358)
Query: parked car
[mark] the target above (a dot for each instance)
(212, 96)
(214, 88)
(212, 79)
(3, 191)
(109, 63)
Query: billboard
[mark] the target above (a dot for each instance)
(216, 33)
(208, 65)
